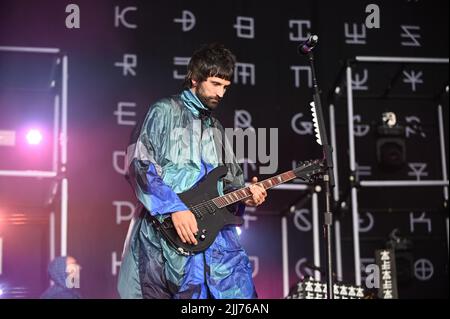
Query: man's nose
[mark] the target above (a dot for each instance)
(220, 92)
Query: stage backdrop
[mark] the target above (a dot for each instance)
(125, 55)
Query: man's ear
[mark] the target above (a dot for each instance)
(194, 82)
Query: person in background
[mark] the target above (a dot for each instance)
(59, 270)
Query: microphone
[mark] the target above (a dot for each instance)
(308, 45)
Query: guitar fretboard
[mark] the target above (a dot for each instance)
(245, 192)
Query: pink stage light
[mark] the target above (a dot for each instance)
(34, 137)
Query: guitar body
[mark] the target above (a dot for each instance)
(212, 218)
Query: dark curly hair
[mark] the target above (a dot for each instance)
(210, 60)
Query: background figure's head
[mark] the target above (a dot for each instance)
(64, 273)
(60, 267)
(209, 73)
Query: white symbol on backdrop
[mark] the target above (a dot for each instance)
(248, 219)
(355, 36)
(302, 219)
(368, 222)
(244, 72)
(358, 82)
(297, 27)
(120, 113)
(412, 36)
(124, 211)
(413, 78)
(418, 170)
(128, 64)
(303, 127)
(414, 126)
(180, 61)
(115, 263)
(362, 170)
(245, 27)
(297, 69)
(119, 155)
(360, 130)
(420, 220)
(423, 269)
(119, 17)
(187, 20)
(242, 119)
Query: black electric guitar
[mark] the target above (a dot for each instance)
(210, 209)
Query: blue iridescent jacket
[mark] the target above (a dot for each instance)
(168, 155)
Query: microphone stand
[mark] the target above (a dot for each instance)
(328, 177)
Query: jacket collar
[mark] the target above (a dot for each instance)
(192, 102)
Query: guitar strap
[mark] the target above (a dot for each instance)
(218, 140)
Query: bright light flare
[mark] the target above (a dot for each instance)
(34, 137)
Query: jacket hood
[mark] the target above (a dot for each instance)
(57, 270)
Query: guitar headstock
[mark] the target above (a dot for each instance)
(310, 170)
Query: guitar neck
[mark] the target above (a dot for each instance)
(243, 193)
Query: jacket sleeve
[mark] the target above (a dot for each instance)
(145, 164)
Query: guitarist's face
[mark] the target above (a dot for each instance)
(210, 91)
